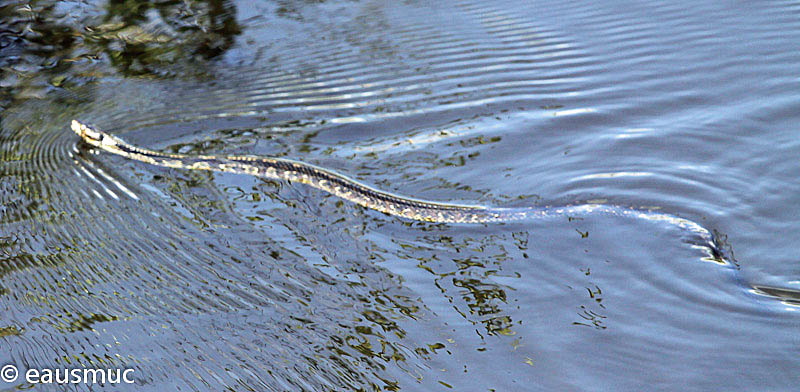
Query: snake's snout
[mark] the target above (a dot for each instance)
(76, 127)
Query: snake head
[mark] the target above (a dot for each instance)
(91, 135)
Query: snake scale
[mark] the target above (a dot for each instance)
(369, 197)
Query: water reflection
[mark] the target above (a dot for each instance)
(207, 281)
(43, 49)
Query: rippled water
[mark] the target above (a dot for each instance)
(209, 281)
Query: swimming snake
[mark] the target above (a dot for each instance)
(369, 197)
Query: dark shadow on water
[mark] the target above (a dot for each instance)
(43, 49)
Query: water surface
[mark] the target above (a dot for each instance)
(208, 281)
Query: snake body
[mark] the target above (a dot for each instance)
(369, 197)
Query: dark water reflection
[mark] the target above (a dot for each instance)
(52, 45)
(203, 281)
